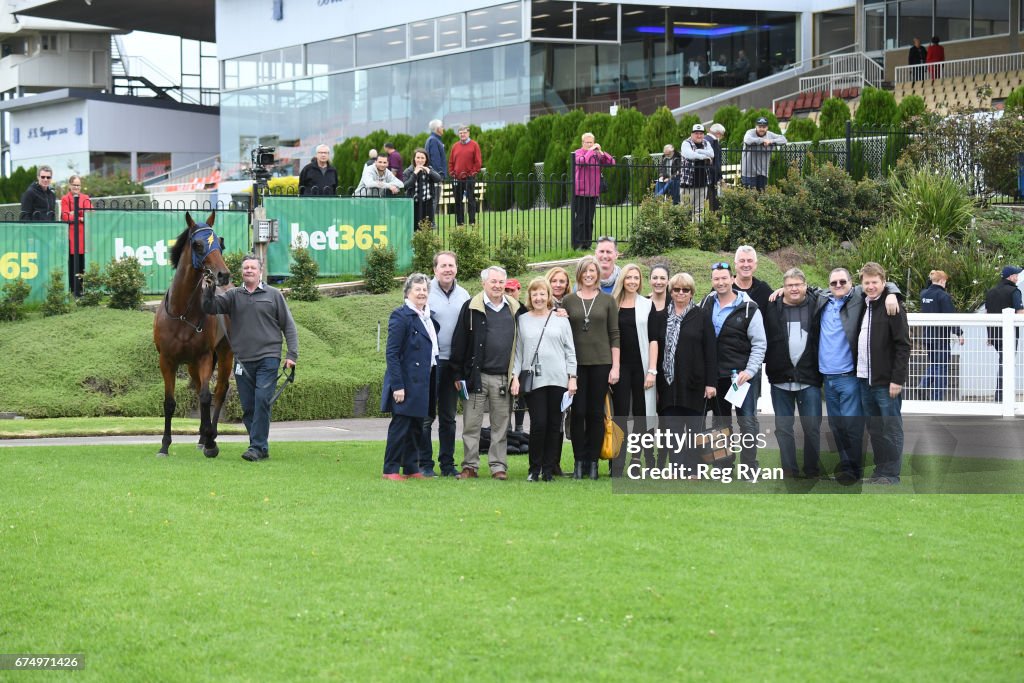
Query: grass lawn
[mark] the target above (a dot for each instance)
(103, 426)
(309, 566)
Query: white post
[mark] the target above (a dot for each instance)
(1009, 368)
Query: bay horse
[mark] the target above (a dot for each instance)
(184, 334)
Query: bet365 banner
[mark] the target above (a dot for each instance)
(338, 231)
(31, 251)
(149, 237)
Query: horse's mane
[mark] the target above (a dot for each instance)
(179, 247)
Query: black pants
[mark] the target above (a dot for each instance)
(422, 209)
(545, 405)
(465, 188)
(713, 197)
(583, 210)
(680, 420)
(628, 394)
(445, 408)
(588, 412)
(76, 266)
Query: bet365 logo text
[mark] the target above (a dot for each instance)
(146, 255)
(340, 238)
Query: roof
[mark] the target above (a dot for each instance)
(191, 19)
(72, 94)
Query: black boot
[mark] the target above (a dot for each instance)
(593, 470)
(577, 471)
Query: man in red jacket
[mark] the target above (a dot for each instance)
(463, 164)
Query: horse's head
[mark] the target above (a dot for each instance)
(206, 248)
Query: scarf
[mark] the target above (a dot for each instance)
(424, 317)
(668, 366)
(611, 280)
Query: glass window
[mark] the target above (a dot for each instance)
(270, 66)
(598, 21)
(915, 22)
(330, 55)
(385, 45)
(291, 61)
(494, 25)
(833, 30)
(422, 35)
(449, 32)
(991, 18)
(551, 19)
(874, 28)
(952, 21)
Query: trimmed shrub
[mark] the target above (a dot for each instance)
(93, 284)
(304, 272)
(526, 186)
(511, 253)
(58, 300)
(498, 193)
(425, 243)
(566, 128)
(834, 115)
(233, 260)
(380, 269)
(910, 107)
(685, 127)
(556, 165)
(712, 233)
(660, 130)
(1014, 102)
(660, 226)
(877, 109)
(801, 130)
(125, 282)
(627, 126)
(15, 294)
(470, 249)
(729, 116)
(642, 174)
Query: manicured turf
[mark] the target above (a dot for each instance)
(103, 426)
(309, 566)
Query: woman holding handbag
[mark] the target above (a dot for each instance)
(544, 369)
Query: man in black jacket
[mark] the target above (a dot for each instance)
(935, 299)
(318, 178)
(716, 133)
(39, 202)
(792, 364)
(1004, 295)
(883, 365)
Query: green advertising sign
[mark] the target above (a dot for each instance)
(338, 231)
(149, 236)
(31, 251)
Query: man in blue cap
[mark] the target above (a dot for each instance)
(1006, 294)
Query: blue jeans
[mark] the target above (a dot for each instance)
(845, 419)
(746, 415)
(668, 188)
(936, 375)
(885, 427)
(255, 389)
(809, 403)
(447, 404)
(755, 182)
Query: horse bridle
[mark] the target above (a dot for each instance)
(206, 274)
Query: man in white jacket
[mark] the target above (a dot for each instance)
(378, 181)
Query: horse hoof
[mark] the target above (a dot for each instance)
(211, 452)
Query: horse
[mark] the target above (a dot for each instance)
(183, 333)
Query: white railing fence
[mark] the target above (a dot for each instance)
(962, 68)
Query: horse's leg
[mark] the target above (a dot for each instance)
(207, 438)
(167, 370)
(225, 360)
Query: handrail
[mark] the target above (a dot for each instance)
(181, 172)
(960, 68)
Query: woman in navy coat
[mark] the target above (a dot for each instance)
(409, 379)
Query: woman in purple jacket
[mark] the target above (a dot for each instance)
(587, 163)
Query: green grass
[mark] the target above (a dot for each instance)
(103, 426)
(308, 566)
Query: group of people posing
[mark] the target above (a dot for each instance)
(653, 349)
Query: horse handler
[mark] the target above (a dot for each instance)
(259, 316)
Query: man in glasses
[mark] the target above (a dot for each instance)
(39, 202)
(741, 345)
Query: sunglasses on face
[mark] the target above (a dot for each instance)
(838, 283)
(45, 177)
(681, 290)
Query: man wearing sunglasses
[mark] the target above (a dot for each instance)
(39, 202)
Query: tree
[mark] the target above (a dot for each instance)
(877, 109)
(556, 163)
(498, 193)
(729, 116)
(686, 124)
(626, 129)
(566, 128)
(660, 130)
(1015, 101)
(525, 175)
(801, 130)
(96, 185)
(834, 115)
(910, 107)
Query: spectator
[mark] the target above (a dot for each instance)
(1004, 295)
(378, 181)
(687, 355)
(483, 349)
(372, 158)
(421, 184)
(512, 289)
(659, 286)
(792, 366)
(318, 178)
(436, 157)
(607, 254)
(917, 58)
(697, 173)
(73, 206)
(394, 160)
(715, 135)
(883, 365)
(757, 152)
(741, 68)
(936, 55)
(544, 347)
(759, 291)
(259, 316)
(446, 300)
(464, 163)
(741, 346)
(595, 332)
(409, 392)
(558, 278)
(587, 163)
(935, 299)
(638, 353)
(668, 174)
(39, 202)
